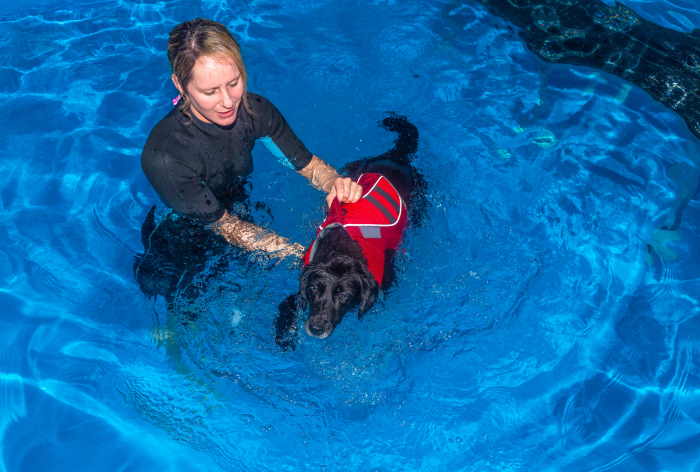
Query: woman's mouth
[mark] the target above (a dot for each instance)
(227, 114)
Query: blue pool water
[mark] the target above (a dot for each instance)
(543, 320)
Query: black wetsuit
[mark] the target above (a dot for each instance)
(198, 169)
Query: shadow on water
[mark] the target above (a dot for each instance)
(663, 62)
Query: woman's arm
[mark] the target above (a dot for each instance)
(284, 143)
(255, 238)
(325, 178)
(251, 237)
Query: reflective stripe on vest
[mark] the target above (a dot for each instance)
(383, 197)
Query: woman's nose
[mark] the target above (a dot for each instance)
(228, 101)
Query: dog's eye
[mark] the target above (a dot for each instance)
(315, 289)
(341, 295)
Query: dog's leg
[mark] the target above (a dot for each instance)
(389, 269)
(286, 323)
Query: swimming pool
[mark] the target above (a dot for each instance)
(546, 313)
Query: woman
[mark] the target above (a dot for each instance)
(198, 156)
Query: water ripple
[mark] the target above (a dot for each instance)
(545, 317)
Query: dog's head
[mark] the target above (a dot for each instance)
(334, 287)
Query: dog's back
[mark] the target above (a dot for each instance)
(396, 165)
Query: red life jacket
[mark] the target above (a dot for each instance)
(376, 221)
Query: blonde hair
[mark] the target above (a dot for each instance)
(189, 41)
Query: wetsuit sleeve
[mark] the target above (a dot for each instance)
(282, 142)
(180, 187)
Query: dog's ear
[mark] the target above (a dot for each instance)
(301, 300)
(286, 323)
(368, 295)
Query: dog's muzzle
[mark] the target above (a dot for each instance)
(318, 328)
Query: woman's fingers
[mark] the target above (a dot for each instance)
(341, 188)
(331, 195)
(355, 192)
(298, 250)
(346, 190)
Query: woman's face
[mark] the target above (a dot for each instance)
(215, 90)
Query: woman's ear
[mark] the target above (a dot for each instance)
(177, 85)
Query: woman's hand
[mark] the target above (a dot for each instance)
(345, 190)
(325, 178)
(296, 250)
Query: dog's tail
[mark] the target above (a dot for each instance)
(406, 144)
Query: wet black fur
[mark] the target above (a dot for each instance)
(338, 280)
(174, 252)
(177, 250)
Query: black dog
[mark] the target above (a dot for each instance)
(351, 257)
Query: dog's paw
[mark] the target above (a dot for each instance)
(286, 324)
(287, 341)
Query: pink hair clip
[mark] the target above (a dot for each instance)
(176, 100)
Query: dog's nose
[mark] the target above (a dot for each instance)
(318, 327)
